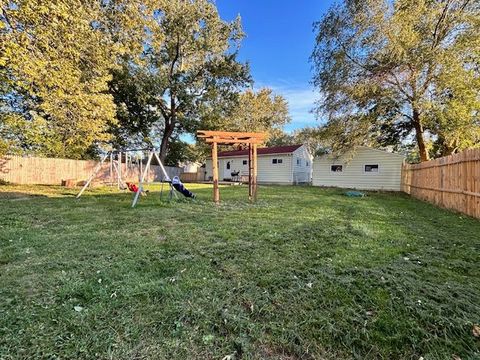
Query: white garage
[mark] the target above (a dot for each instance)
(364, 169)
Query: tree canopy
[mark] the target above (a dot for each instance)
(307, 136)
(192, 68)
(392, 72)
(261, 111)
(77, 74)
(191, 80)
(55, 62)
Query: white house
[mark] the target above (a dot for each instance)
(364, 169)
(291, 164)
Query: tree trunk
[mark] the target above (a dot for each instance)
(422, 148)
(169, 127)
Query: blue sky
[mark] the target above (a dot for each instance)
(278, 45)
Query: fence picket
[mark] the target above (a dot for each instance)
(452, 181)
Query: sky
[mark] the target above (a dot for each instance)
(279, 41)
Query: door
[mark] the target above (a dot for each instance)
(227, 169)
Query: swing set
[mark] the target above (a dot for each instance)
(115, 169)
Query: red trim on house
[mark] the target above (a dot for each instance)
(287, 149)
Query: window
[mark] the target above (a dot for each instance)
(307, 163)
(228, 165)
(299, 161)
(371, 168)
(336, 168)
(277, 161)
(245, 162)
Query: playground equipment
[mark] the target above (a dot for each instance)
(116, 159)
(231, 138)
(165, 178)
(117, 167)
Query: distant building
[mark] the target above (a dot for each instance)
(190, 167)
(365, 169)
(290, 164)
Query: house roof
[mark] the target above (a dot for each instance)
(287, 149)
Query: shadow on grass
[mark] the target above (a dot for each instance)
(19, 196)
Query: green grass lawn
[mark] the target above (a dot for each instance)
(306, 273)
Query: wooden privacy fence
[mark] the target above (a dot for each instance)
(51, 171)
(452, 182)
(193, 176)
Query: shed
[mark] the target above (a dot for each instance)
(364, 169)
(290, 164)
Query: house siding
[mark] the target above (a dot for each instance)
(267, 172)
(275, 173)
(302, 166)
(353, 175)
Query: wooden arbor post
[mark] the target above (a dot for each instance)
(250, 172)
(230, 138)
(254, 177)
(216, 190)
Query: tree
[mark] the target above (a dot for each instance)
(139, 120)
(261, 111)
(191, 69)
(55, 62)
(280, 138)
(181, 151)
(307, 136)
(392, 70)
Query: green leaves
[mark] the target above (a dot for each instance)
(57, 60)
(188, 69)
(391, 70)
(262, 111)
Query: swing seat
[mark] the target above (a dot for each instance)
(132, 187)
(165, 178)
(178, 185)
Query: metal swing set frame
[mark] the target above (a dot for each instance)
(116, 165)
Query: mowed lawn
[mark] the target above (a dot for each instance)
(306, 273)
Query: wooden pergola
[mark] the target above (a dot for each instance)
(231, 138)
